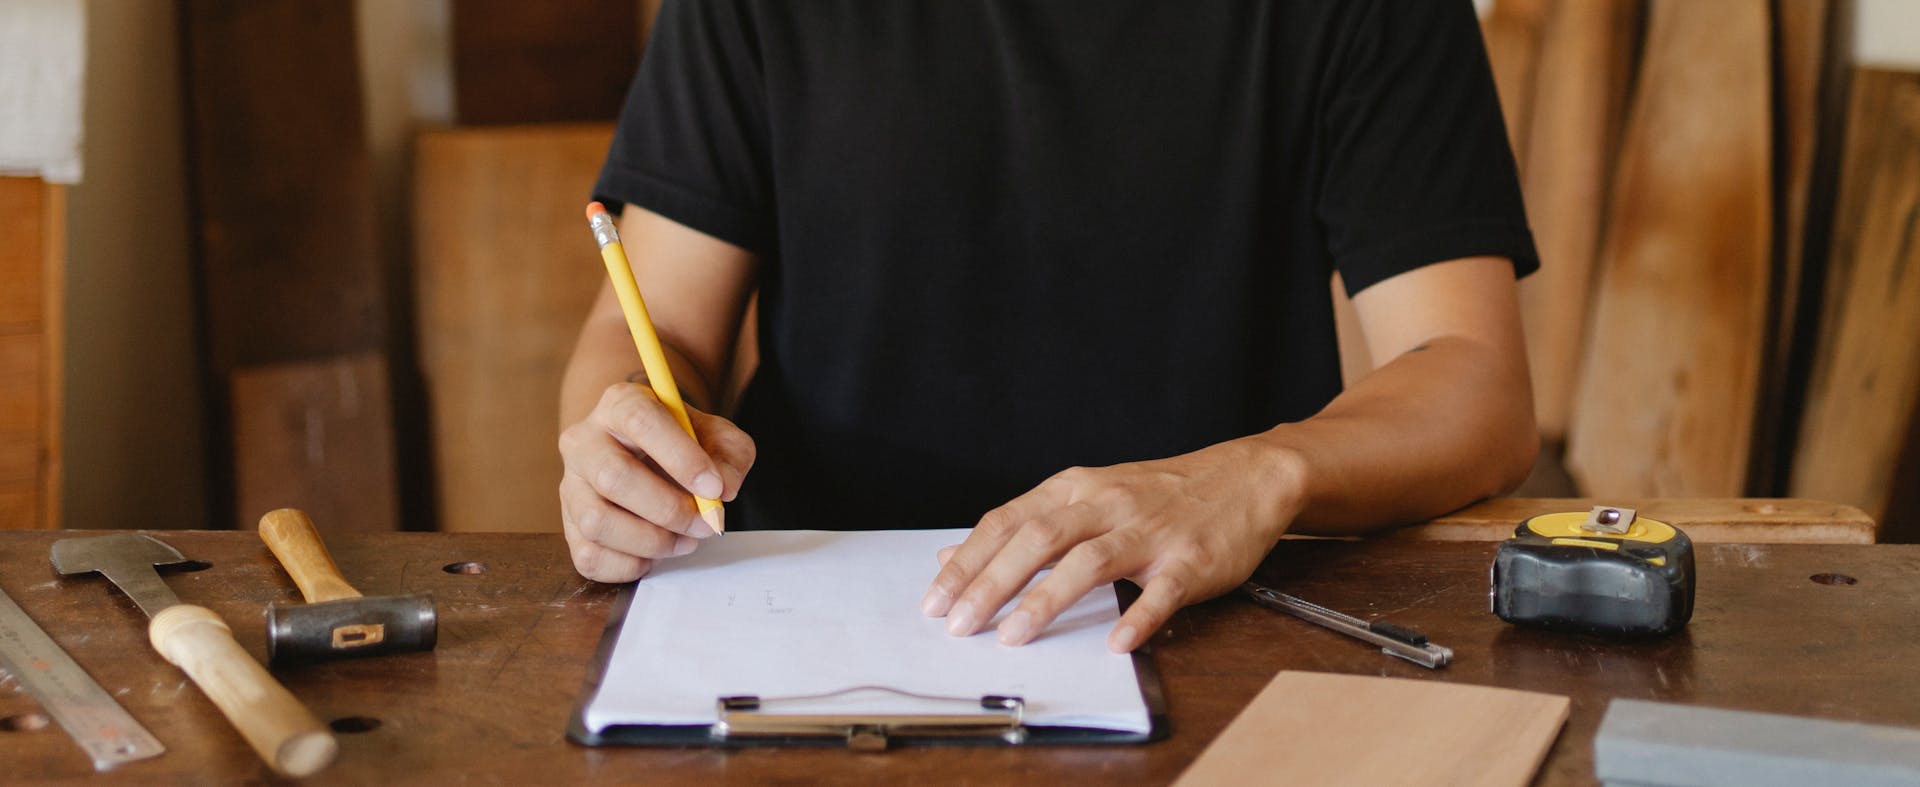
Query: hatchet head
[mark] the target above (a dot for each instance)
(126, 558)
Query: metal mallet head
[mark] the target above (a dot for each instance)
(337, 622)
(350, 627)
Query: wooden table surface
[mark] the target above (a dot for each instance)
(491, 704)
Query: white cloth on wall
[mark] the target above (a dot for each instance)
(43, 63)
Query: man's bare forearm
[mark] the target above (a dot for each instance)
(604, 355)
(1441, 426)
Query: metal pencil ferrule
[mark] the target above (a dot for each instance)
(603, 230)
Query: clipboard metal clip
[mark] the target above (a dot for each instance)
(989, 716)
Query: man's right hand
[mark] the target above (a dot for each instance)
(631, 471)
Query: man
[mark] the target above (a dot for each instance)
(1057, 270)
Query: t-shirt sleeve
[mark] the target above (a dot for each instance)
(691, 144)
(1417, 169)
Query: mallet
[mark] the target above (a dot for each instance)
(336, 622)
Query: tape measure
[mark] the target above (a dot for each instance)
(101, 727)
(1607, 571)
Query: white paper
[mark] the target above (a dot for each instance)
(798, 613)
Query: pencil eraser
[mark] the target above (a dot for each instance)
(595, 207)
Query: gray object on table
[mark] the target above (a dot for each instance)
(1654, 743)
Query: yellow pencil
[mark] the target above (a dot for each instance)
(652, 357)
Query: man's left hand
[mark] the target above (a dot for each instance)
(1185, 529)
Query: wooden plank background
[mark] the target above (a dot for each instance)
(33, 225)
(505, 271)
(287, 261)
(1812, 69)
(1579, 106)
(521, 62)
(1866, 378)
(1668, 381)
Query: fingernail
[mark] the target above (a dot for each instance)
(1121, 640)
(936, 602)
(1017, 628)
(700, 529)
(960, 621)
(708, 485)
(683, 545)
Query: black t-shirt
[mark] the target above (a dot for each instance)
(999, 238)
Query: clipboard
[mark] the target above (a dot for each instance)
(744, 722)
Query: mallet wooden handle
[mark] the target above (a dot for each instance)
(285, 734)
(292, 538)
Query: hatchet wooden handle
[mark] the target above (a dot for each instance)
(292, 538)
(284, 733)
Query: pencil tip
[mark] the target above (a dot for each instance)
(715, 518)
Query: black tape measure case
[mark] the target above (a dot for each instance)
(1608, 571)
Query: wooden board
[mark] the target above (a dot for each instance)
(521, 62)
(1665, 402)
(1812, 75)
(1901, 524)
(505, 271)
(1512, 32)
(1866, 374)
(517, 639)
(287, 260)
(32, 223)
(1322, 728)
(317, 436)
(1579, 106)
(1705, 520)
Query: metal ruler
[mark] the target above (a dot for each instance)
(95, 721)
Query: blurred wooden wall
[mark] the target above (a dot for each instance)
(297, 313)
(317, 399)
(1707, 321)
(32, 224)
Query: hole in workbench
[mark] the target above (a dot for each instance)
(1834, 579)
(466, 567)
(352, 724)
(25, 722)
(186, 567)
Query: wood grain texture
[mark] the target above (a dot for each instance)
(1512, 33)
(518, 62)
(1665, 402)
(1321, 728)
(318, 436)
(32, 249)
(1579, 106)
(1812, 67)
(490, 703)
(1705, 520)
(505, 271)
(1866, 374)
(1901, 524)
(293, 288)
(282, 181)
(282, 731)
(295, 541)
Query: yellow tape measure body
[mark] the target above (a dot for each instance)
(1557, 573)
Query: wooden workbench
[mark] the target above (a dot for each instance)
(491, 704)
